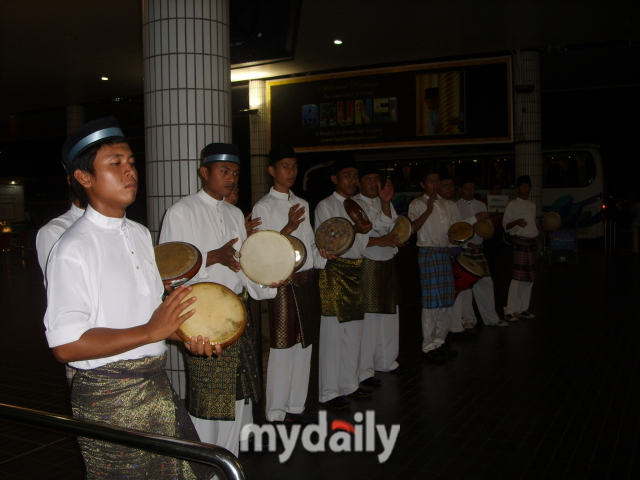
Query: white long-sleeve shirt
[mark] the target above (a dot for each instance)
(51, 233)
(273, 210)
(517, 209)
(208, 224)
(435, 230)
(382, 225)
(331, 207)
(468, 209)
(102, 273)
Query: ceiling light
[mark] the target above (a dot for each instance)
(338, 42)
(105, 78)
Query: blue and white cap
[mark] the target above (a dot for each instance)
(88, 134)
(220, 152)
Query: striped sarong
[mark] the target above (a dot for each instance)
(479, 258)
(524, 258)
(436, 277)
(133, 394)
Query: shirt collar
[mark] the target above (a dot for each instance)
(338, 197)
(208, 199)
(103, 221)
(518, 198)
(280, 195)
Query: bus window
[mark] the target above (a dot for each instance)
(472, 169)
(568, 170)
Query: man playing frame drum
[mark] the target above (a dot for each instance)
(221, 390)
(342, 298)
(520, 221)
(482, 291)
(381, 328)
(431, 216)
(105, 314)
(294, 314)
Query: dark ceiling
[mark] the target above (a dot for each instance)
(54, 53)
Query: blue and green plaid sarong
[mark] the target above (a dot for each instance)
(436, 277)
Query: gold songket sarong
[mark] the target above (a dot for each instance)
(380, 286)
(215, 383)
(341, 290)
(133, 394)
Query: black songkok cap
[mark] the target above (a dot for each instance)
(368, 169)
(523, 179)
(220, 152)
(345, 161)
(88, 134)
(279, 152)
(431, 93)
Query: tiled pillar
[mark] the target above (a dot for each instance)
(260, 178)
(75, 118)
(187, 100)
(528, 123)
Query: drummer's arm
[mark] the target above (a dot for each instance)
(419, 222)
(100, 342)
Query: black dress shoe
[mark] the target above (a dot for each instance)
(337, 403)
(448, 352)
(303, 418)
(399, 369)
(360, 393)
(371, 382)
(437, 356)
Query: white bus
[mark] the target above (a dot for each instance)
(572, 177)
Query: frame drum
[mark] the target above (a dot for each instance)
(484, 228)
(178, 262)
(336, 235)
(267, 257)
(460, 232)
(402, 228)
(466, 273)
(551, 221)
(300, 251)
(220, 315)
(355, 212)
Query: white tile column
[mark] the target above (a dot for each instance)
(528, 123)
(187, 101)
(260, 178)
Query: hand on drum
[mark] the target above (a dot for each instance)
(386, 193)
(482, 216)
(251, 225)
(385, 241)
(282, 283)
(363, 227)
(201, 347)
(225, 255)
(167, 317)
(327, 255)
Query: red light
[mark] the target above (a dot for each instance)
(604, 206)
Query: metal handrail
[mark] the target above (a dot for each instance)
(222, 460)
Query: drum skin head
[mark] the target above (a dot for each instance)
(336, 235)
(484, 228)
(551, 221)
(461, 231)
(402, 228)
(220, 315)
(174, 259)
(470, 265)
(267, 257)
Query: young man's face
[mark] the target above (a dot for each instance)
(431, 184)
(220, 178)
(524, 190)
(467, 190)
(370, 185)
(346, 181)
(447, 188)
(114, 184)
(284, 174)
